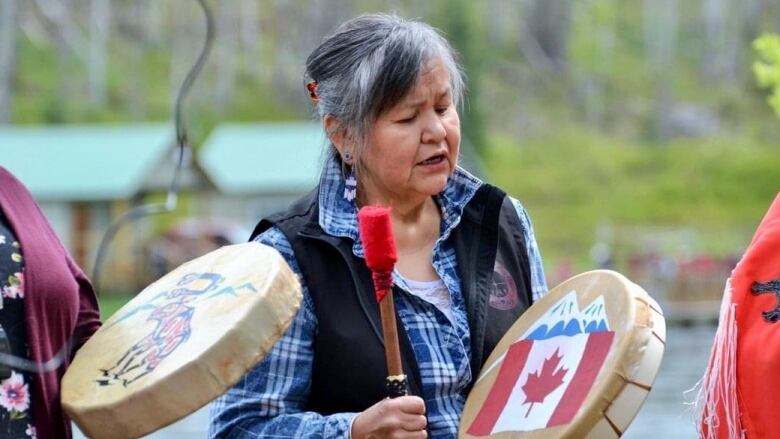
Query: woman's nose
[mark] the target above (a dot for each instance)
(433, 130)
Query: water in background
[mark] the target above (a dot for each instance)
(664, 414)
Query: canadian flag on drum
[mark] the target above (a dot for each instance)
(545, 376)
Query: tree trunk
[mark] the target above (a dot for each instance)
(188, 33)
(546, 26)
(661, 25)
(254, 57)
(139, 11)
(64, 27)
(713, 12)
(153, 14)
(732, 53)
(227, 27)
(250, 24)
(752, 15)
(600, 28)
(100, 23)
(9, 17)
(497, 14)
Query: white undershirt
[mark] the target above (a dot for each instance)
(433, 292)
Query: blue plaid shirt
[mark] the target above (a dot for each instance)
(269, 400)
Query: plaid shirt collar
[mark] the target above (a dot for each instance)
(338, 216)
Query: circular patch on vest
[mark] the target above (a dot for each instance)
(503, 291)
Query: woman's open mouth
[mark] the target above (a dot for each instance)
(435, 160)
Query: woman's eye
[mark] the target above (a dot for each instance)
(408, 119)
(442, 110)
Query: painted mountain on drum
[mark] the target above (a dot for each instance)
(565, 318)
(594, 317)
(545, 376)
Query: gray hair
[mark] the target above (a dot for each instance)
(369, 64)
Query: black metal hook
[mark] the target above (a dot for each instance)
(171, 199)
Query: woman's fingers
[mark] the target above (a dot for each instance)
(414, 422)
(401, 418)
(409, 404)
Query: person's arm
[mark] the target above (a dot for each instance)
(269, 400)
(538, 282)
(88, 320)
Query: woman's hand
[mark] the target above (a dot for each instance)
(402, 417)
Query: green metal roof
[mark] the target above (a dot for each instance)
(84, 162)
(264, 157)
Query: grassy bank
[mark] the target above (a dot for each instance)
(110, 303)
(574, 181)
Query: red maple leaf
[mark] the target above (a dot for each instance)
(544, 381)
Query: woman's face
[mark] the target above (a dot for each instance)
(413, 147)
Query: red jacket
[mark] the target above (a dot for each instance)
(741, 388)
(59, 303)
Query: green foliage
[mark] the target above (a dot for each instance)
(460, 21)
(575, 180)
(138, 88)
(185, 207)
(528, 125)
(767, 71)
(589, 49)
(110, 304)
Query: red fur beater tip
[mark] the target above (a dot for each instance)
(376, 233)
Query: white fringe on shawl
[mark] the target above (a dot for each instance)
(718, 386)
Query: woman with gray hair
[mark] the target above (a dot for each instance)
(387, 92)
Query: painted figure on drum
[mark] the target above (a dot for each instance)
(387, 91)
(172, 317)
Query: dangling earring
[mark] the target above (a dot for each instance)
(350, 186)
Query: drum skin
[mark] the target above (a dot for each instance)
(181, 342)
(578, 364)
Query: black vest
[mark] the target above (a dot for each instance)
(349, 360)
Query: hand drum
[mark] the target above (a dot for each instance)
(578, 364)
(181, 342)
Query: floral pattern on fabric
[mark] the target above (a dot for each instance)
(14, 396)
(15, 287)
(15, 399)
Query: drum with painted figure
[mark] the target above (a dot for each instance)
(180, 343)
(578, 364)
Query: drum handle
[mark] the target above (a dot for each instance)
(396, 380)
(376, 234)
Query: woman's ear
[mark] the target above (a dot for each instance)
(335, 132)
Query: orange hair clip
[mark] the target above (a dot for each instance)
(312, 87)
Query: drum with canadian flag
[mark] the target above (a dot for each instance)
(578, 364)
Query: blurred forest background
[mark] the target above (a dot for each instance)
(623, 126)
